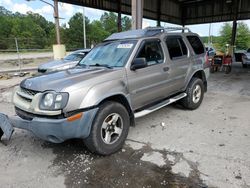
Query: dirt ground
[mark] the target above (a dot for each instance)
(173, 147)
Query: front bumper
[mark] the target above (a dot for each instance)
(56, 130)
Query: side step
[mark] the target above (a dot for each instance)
(159, 105)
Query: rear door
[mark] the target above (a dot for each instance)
(178, 61)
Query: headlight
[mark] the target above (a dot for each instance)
(48, 100)
(53, 101)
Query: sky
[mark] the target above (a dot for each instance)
(67, 10)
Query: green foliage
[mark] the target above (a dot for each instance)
(242, 36)
(74, 33)
(33, 31)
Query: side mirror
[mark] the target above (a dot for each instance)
(138, 63)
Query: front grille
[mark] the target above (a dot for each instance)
(29, 91)
(24, 115)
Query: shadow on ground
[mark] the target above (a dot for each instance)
(123, 169)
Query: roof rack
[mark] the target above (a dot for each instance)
(147, 32)
(169, 29)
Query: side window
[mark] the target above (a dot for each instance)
(176, 47)
(152, 52)
(196, 44)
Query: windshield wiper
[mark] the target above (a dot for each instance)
(101, 65)
(81, 65)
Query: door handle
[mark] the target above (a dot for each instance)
(165, 69)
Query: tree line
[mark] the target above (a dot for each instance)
(33, 31)
(242, 37)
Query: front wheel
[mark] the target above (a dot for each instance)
(109, 130)
(195, 93)
(1, 133)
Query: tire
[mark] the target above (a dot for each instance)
(244, 65)
(228, 69)
(194, 86)
(1, 133)
(212, 69)
(103, 138)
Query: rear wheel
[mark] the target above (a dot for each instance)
(212, 69)
(109, 130)
(228, 69)
(195, 93)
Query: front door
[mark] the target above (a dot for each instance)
(148, 84)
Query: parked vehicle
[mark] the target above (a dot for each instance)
(246, 59)
(129, 75)
(211, 52)
(238, 55)
(69, 61)
(221, 62)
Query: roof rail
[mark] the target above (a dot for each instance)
(177, 28)
(169, 29)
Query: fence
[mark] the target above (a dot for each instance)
(19, 54)
(24, 44)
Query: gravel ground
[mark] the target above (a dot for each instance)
(173, 147)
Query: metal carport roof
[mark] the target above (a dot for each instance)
(182, 12)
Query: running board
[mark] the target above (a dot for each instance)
(159, 105)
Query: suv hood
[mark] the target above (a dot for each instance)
(71, 79)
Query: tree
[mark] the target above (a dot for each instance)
(34, 31)
(97, 33)
(75, 31)
(242, 35)
(126, 23)
(109, 22)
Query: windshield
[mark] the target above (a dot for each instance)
(75, 57)
(109, 54)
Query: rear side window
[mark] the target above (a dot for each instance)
(196, 44)
(176, 47)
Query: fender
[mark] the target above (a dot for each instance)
(102, 91)
(200, 74)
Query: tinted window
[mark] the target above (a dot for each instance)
(248, 51)
(196, 44)
(152, 52)
(176, 47)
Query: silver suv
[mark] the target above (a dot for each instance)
(129, 75)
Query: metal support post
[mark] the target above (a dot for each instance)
(119, 18)
(56, 16)
(137, 14)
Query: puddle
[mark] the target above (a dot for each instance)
(123, 169)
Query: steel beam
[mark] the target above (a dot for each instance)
(158, 13)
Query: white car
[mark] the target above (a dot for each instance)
(246, 59)
(67, 62)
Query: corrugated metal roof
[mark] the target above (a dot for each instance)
(182, 12)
